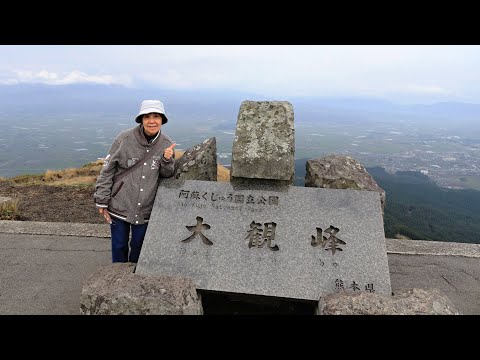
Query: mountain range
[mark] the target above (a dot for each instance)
(116, 99)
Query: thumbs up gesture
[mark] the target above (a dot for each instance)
(168, 152)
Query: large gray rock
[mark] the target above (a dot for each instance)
(115, 290)
(340, 172)
(264, 142)
(403, 302)
(199, 162)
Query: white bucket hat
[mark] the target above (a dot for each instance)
(151, 106)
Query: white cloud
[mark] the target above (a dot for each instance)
(53, 78)
(426, 89)
(395, 72)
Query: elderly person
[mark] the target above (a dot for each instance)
(126, 187)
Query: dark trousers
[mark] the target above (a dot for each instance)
(120, 245)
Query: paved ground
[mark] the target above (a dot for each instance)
(41, 273)
(456, 276)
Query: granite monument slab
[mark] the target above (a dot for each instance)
(282, 241)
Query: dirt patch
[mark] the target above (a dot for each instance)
(62, 195)
(53, 203)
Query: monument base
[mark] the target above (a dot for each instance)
(222, 303)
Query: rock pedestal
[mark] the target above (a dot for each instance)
(340, 172)
(403, 302)
(116, 290)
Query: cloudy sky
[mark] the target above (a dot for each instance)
(402, 74)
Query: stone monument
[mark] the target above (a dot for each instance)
(259, 235)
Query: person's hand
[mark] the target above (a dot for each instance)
(168, 152)
(105, 214)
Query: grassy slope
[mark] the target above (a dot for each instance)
(85, 175)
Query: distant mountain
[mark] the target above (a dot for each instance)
(371, 109)
(64, 99)
(348, 103)
(116, 99)
(382, 105)
(450, 110)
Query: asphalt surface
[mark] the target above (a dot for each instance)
(43, 266)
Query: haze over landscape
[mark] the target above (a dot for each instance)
(397, 106)
(401, 108)
(53, 127)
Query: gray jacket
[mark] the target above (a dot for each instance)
(131, 199)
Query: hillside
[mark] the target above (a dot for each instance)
(60, 195)
(417, 208)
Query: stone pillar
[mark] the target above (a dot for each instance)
(264, 145)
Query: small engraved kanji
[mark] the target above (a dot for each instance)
(184, 193)
(258, 236)
(354, 286)
(339, 285)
